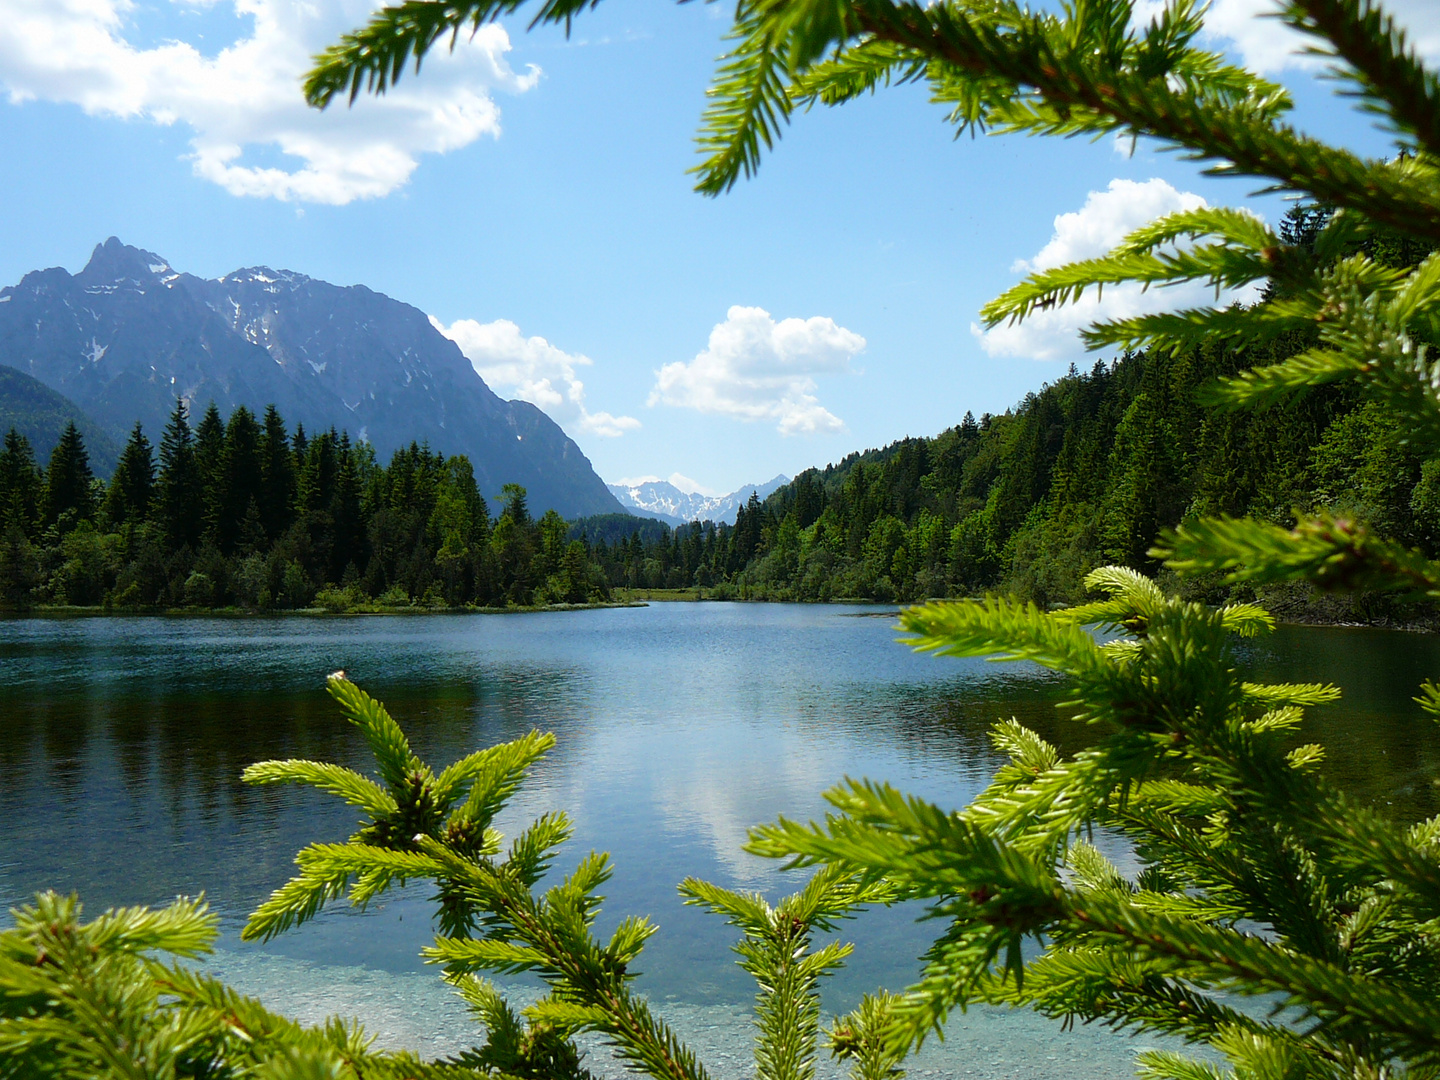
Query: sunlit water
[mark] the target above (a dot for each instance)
(678, 727)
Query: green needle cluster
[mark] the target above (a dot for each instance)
(1255, 876)
(497, 915)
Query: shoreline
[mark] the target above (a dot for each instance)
(100, 610)
(1286, 613)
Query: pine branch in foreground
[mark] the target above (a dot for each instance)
(495, 917)
(1256, 876)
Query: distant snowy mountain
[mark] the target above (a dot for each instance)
(663, 500)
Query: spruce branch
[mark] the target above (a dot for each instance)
(437, 828)
(96, 999)
(374, 57)
(1332, 553)
(865, 1038)
(777, 950)
(355, 789)
(1377, 56)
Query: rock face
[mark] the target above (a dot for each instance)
(662, 499)
(127, 335)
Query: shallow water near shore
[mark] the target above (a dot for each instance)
(678, 726)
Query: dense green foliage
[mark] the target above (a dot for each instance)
(1233, 831)
(1083, 473)
(244, 513)
(96, 1000)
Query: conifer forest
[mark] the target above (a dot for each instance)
(1085, 472)
(243, 513)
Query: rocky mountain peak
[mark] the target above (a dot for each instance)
(128, 335)
(273, 280)
(113, 263)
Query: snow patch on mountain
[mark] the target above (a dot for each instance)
(662, 499)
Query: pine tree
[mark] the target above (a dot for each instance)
(179, 492)
(20, 485)
(133, 484)
(513, 547)
(517, 507)
(210, 466)
(344, 511)
(276, 497)
(316, 482)
(238, 476)
(69, 496)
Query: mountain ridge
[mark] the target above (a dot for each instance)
(662, 499)
(128, 334)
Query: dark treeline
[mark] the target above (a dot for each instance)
(1084, 472)
(245, 513)
(644, 553)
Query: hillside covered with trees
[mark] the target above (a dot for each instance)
(246, 513)
(1084, 472)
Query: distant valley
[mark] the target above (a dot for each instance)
(127, 335)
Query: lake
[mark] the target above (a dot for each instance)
(678, 726)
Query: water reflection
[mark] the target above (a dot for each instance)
(678, 727)
(1379, 745)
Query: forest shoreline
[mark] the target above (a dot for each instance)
(1314, 611)
(101, 610)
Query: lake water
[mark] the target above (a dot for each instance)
(678, 726)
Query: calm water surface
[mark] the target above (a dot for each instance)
(678, 726)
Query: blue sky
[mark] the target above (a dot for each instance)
(535, 188)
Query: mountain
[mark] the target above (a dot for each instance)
(663, 500)
(128, 334)
(40, 414)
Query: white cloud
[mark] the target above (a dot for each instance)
(246, 98)
(533, 370)
(1105, 219)
(1267, 45)
(757, 369)
(1263, 43)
